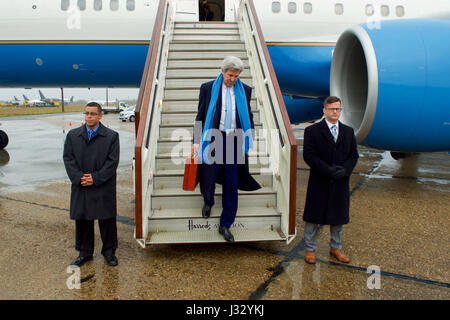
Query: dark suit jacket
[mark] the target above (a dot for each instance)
(245, 181)
(100, 157)
(328, 200)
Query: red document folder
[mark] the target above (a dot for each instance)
(190, 174)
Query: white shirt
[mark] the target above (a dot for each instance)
(330, 125)
(224, 108)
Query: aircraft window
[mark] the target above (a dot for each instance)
(114, 5)
(98, 5)
(65, 5)
(370, 10)
(307, 7)
(339, 8)
(81, 5)
(276, 7)
(292, 7)
(400, 11)
(130, 5)
(384, 10)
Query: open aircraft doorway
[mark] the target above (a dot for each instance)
(212, 10)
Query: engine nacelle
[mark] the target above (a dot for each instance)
(393, 78)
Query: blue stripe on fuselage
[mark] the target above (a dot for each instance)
(72, 65)
(302, 70)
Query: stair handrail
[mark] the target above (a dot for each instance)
(274, 117)
(147, 115)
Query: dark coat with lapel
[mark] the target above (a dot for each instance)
(245, 182)
(100, 157)
(328, 200)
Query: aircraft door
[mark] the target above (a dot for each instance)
(230, 8)
(186, 10)
(217, 10)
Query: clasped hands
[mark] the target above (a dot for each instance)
(86, 180)
(337, 172)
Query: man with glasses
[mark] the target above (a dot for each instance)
(329, 149)
(91, 157)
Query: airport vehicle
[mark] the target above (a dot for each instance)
(127, 114)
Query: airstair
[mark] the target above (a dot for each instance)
(182, 56)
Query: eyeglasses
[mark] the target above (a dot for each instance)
(335, 109)
(90, 114)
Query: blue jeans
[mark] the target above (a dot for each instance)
(312, 230)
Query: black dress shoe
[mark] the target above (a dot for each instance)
(206, 211)
(226, 234)
(112, 260)
(81, 260)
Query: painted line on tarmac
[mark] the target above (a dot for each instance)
(121, 219)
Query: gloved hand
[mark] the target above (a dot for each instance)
(338, 172)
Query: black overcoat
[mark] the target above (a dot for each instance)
(245, 181)
(100, 157)
(328, 200)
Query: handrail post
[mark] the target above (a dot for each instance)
(142, 112)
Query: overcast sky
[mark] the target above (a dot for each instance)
(78, 93)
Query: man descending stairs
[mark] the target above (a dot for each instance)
(194, 57)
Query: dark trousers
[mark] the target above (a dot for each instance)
(229, 169)
(84, 236)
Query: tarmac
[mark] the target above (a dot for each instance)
(397, 238)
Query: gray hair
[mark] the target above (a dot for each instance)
(232, 63)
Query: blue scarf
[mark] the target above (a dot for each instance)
(242, 110)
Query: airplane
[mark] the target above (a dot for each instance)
(387, 60)
(34, 102)
(54, 101)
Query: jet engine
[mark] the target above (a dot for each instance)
(393, 78)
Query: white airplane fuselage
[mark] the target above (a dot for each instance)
(55, 43)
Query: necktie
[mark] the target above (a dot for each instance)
(334, 132)
(228, 110)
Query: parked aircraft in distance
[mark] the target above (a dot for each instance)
(54, 101)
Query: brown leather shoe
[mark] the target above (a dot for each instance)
(310, 257)
(339, 255)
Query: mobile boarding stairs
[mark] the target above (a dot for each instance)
(182, 56)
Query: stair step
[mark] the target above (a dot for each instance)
(164, 181)
(168, 130)
(213, 236)
(209, 45)
(173, 162)
(189, 117)
(176, 145)
(206, 25)
(197, 54)
(187, 83)
(206, 37)
(198, 223)
(173, 198)
(206, 31)
(181, 94)
(210, 73)
(199, 63)
(190, 105)
(195, 213)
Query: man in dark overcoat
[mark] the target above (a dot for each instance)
(232, 121)
(91, 157)
(330, 151)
